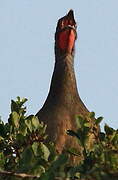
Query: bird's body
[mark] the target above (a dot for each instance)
(63, 102)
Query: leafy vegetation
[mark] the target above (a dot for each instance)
(24, 153)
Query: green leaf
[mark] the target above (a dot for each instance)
(41, 150)
(62, 159)
(2, 130)
(38, 170)
(21, 101)
(115, 140)
(1, 138)
(92, 115)
(80, 122)
(35, 148)
(24, 100)
(28, 123)
(35, 122)
(2, 161)
(98, 120)
(52, 171)
(102, 136)
(14, 119)
(108, 130)
(27, 159)
(20, 139)
(88, 125)
(45, 151)
(18, 98)
(52, 150)
(23, 128)
(14, 106)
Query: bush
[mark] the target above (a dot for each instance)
(24, 153)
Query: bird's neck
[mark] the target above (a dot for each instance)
(63, 85)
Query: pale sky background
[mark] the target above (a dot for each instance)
(27, 30)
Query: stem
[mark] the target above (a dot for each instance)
(19, 175)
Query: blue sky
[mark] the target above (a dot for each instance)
(27, 30)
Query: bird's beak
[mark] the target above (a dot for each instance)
(67, 21)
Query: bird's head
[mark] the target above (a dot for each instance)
(66, 34)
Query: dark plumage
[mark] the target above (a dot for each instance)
(63, 102)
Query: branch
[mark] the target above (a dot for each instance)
(19, 175)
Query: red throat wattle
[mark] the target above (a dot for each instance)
(67, 32)
(66, 40)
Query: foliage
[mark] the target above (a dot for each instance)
(23, 149)
(100, 162)
(21, 142)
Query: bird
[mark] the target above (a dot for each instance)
(63, 102)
